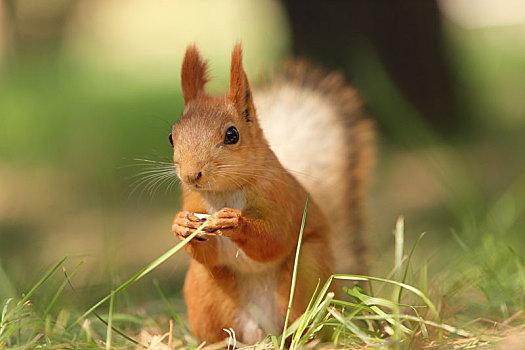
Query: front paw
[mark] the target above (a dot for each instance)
(185, 223)
(224, 222)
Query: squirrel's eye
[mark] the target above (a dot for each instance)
(232, 136)
(171, 139)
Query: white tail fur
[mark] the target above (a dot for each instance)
(315, 125)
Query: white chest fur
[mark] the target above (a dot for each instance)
(229, 253)
(215, 201)
(259, 314)
(257, 281)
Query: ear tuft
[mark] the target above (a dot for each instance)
(194, 74)
(240, 93)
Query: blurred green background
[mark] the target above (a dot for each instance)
(88, 87)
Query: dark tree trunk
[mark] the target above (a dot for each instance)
(406, 35)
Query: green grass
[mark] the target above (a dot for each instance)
(393, 312)
(294, 274)
(22, 327)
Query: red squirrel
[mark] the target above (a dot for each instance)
(249, 159)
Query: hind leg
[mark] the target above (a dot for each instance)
(210, 296)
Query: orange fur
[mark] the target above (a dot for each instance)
(268, 234)
(240, 273)
(193, 74)
(240, 93)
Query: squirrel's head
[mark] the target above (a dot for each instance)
(217, 142)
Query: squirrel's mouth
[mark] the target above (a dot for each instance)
(193, 183)
(192, 186)
(196, 186)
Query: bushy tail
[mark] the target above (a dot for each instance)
(315, 125)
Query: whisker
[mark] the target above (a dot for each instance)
(151, 161)
(156, 185)
(266, 168)
(154, 171)
(231, 180)
(153, 178)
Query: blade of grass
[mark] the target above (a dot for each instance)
(294, 273)
(352, 327)
(372, 303)
(3, 317)
(116, 330)
(442, 326)
(43, 280)
(275, 342)
(59, 291)
(303, 321)
(144, 271)
(169, 305)
(57, 294)
(399, 241)
(414, 290)
(424, 330)
(110, 320)
(20, 304)
(316, 319)
(405, 274)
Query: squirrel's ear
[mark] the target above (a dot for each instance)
(240, 93)
(193, 74)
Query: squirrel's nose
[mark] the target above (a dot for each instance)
(193, 177)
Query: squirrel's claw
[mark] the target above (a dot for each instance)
(216, 225)
(224, 219)
(183, 232)
(226, 213)
(185, 223)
